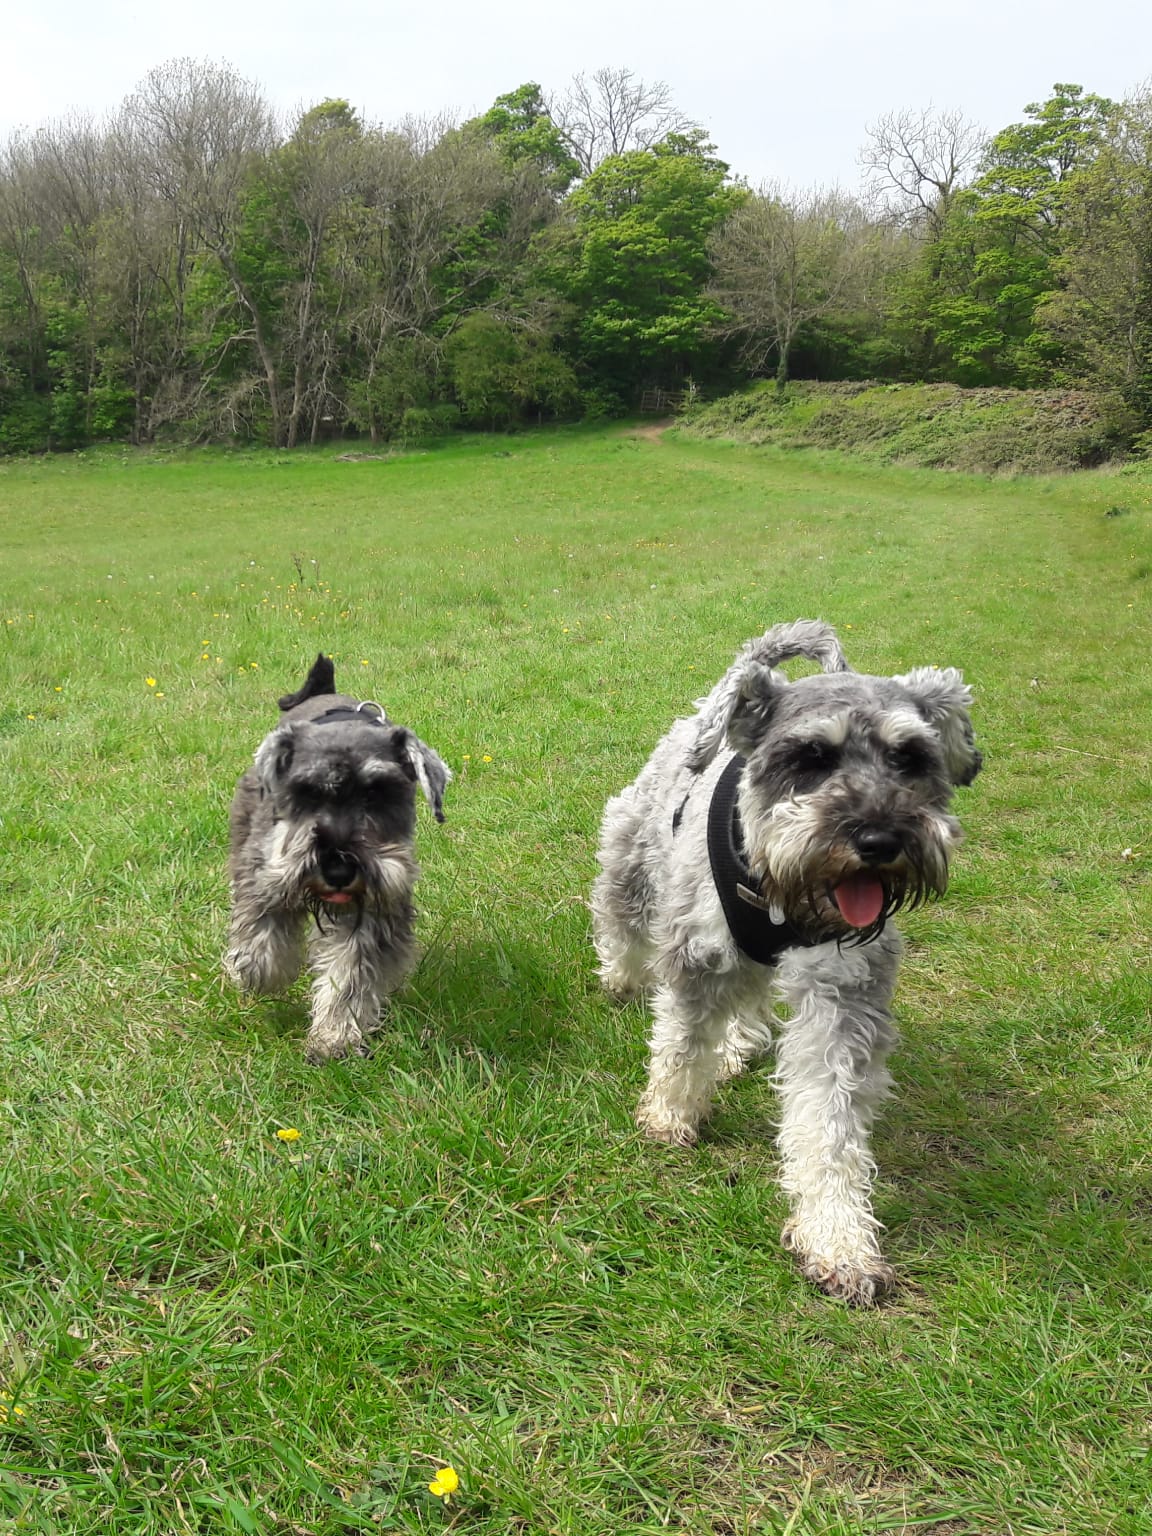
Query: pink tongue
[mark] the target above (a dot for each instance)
(335, 898)
(860, 899)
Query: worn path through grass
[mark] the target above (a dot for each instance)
(469, 1257)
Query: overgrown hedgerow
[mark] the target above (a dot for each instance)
(940, 426)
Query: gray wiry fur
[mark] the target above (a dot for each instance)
(322, 825)
(847, 777)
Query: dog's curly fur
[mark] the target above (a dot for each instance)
(845, 790)
(322, 827)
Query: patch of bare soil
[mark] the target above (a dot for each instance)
(651, 431)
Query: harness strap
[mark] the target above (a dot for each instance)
(352, 712)
(749, 922)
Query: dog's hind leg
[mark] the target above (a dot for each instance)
(355, 967)
(265, 946)
(831, 1073)
(622, 902)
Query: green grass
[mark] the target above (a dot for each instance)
(469, 1257)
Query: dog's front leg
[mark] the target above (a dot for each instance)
(831, 1073)
(354, 968)
(686, 1063)
(265, 948)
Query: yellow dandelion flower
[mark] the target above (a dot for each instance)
(289, 1133)
(467, 757)
(31, 717)
(9, 1410)
(157, 695)
(204, 657)
(150, 681)
(485, 758)
(363, 663)
(255, 665)
(445, 1483)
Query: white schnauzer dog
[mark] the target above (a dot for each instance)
(323, 824)
(759, 857)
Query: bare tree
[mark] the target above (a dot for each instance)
(54, 195)
(25, 239)
(916, 162)
(200, 129)
(783, 259)
(611, 111)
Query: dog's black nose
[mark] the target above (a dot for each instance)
(337, 870)
(876, 845)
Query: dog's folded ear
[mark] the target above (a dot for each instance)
(274, 755)
(320, 680)
(739, 707)
(428, 768)
(943, 698)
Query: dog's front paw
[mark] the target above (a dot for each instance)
(620, 991)
(659, 1122)
(245, 974)
(861, 1280)
(319, 1049)
(622, 983)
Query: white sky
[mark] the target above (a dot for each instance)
(785, 89)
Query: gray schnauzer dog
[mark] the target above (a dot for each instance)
(759, 857)
(323, 824)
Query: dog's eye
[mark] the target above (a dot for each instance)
(382, 789)
(814, 757)
(911, 758)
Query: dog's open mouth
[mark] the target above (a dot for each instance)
(860, 898)
(336, 898)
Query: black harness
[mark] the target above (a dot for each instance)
(746, 912)
(352, 712)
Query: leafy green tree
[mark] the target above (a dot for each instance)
(519, 127)
(1100, 313)
(990, 259)
(502, 370)
(1029, 166)
(631, 258)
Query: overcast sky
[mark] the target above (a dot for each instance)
(785, 90)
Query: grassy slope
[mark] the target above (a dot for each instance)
(469, 1256)
(937, 425)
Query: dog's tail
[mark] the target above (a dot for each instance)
(321, 679)
(809, 638)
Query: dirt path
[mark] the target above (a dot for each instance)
(651, 431)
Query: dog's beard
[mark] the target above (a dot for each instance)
(384, 879)
(811, 871)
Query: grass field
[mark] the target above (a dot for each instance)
(469, 1257)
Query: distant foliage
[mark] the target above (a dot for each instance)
(193, 269)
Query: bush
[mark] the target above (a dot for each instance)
(25, 424)
(423, 421)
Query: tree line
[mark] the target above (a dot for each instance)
(190, 268)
